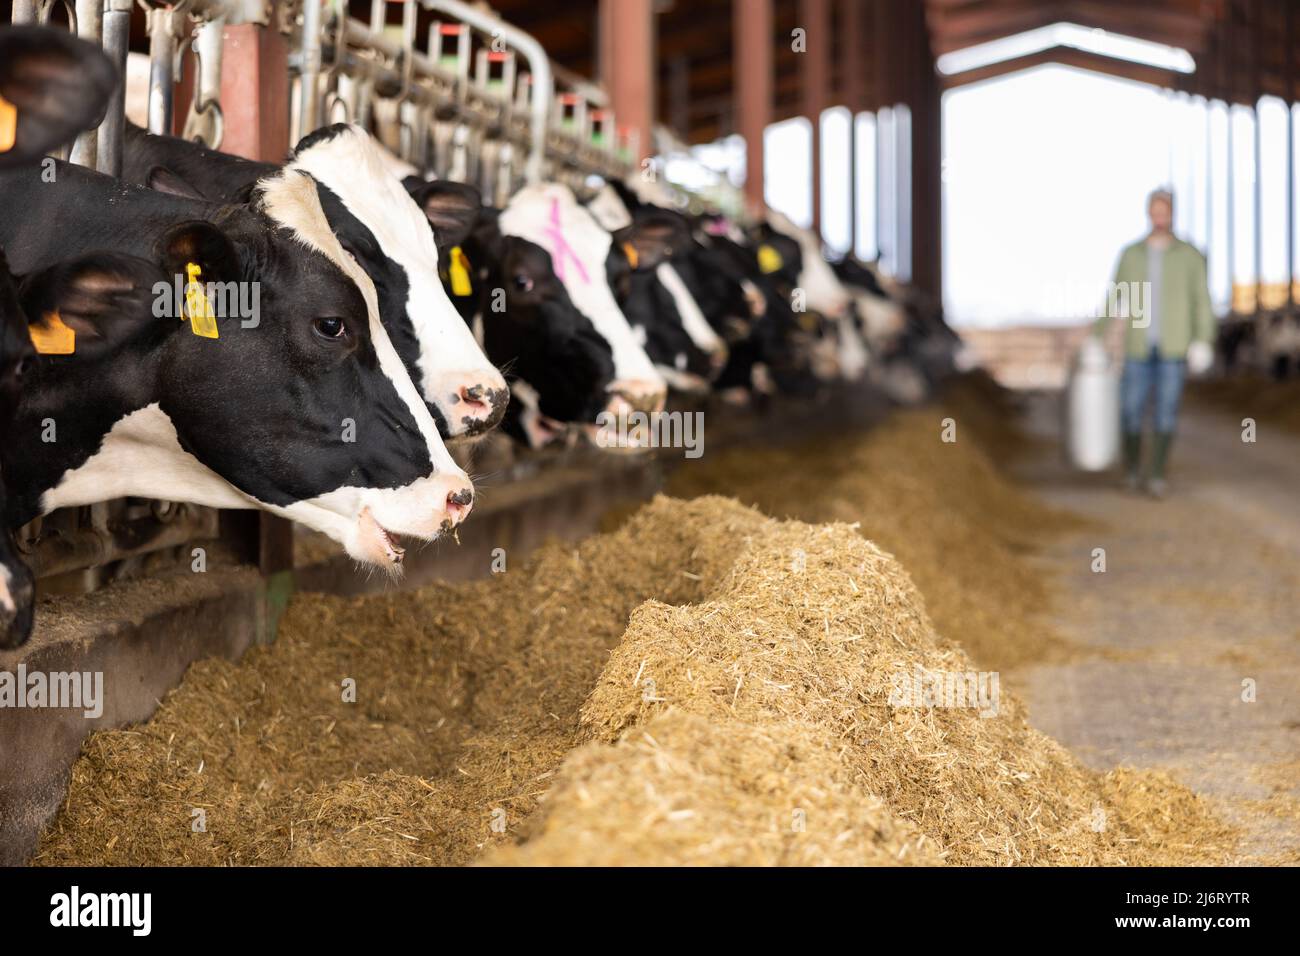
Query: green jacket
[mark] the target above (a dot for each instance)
(1185, 313)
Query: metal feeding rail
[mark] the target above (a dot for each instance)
(481, 102)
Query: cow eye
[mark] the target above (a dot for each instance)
(524, 283)
(22, 366)
(331, 327)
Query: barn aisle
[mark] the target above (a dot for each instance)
(1195, 610)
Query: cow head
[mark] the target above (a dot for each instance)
(305, 409)
(559, 366)
(388, 234)
(52, 86)
(550, 216)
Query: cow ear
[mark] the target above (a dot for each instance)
(169, 181)
(91, 305)
(201, 244)
(453, 209)
(653, 239)
(52, 86)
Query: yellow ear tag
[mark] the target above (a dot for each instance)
(769, 260)
(52, 337)
(197, 308)
(8, 125)
(629, 250)
(458, 272)
(807, 322)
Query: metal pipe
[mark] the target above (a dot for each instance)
(162, 50)
(543, 83)
(117, 38)
(206, 122)
(90, 17)
(24, 11)
(309, 67)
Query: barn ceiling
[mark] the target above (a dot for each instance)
(1239, 45)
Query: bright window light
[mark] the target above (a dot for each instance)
(1102, 42)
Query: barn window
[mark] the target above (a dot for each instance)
(787, 169)
(1273, 201)
(1220, 204)
(1244, 248)
(837, 218)
(865, 244)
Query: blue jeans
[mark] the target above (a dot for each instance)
(1141, 378)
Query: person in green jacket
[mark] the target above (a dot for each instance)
(1161, 292)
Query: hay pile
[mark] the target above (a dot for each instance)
(743, 716)
(1271, 403)
(961, 529)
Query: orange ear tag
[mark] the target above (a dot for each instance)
(8, 125)
(197, 308)
(630, 251)
(52, 337)
(458, 272)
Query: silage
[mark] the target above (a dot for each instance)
(703, 685)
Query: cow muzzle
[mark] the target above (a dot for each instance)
(473, 402)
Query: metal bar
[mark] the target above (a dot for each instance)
(309, 69)
(90, 18)
(543, 84)
(162, 53)
(117, 39)
(24, 11)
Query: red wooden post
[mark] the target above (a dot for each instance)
(752, 39)
(255, 92)
(815, 70)
(627, 65)
(255, 101)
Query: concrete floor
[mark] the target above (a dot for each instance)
(1201, 593)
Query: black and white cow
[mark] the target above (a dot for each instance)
(52, 86)
(560, 364)
(661, 303)
(16, 355)
(379, 226)
(549, 215)
(306, 410)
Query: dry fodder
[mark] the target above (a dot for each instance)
(813, 627)
(965, 533)
(775, 644)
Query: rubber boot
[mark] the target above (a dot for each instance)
(1132, 459)
(1159, 456)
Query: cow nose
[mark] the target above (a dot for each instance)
(459, 504)
(477, 405)
(640, 395)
